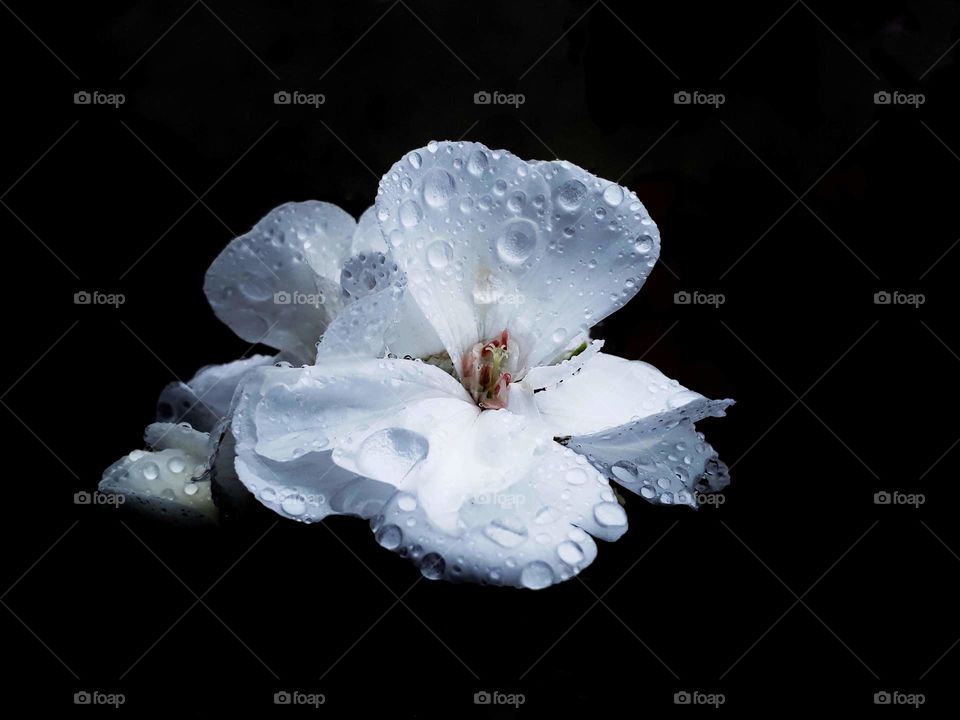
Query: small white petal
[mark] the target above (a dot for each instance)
(279, 283)
(168, 481)
(205, 399)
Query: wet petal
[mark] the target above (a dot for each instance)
(549, 377)
(205, 399)
(368, 236)
(289, 420)
(531, 534)
(279, 283)
(609, 392)
(166, 481)
(666, 463)
(488, 242)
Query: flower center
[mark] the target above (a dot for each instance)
(483, 371)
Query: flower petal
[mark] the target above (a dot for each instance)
(278, 283)
(667, 463)
(167, 481)
(530, 534)
(205, 399)
(288, 420)
(636, 426)
(490, 242)
(609, 392)
(368, 237)
(549, 377)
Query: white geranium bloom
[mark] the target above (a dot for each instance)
(487, 459)
(280, 284)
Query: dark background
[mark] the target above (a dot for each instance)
(799, 592)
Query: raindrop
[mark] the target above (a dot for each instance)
(570, 552)
(610, 514)
(389, 536)
(536, 575)
(571, 195)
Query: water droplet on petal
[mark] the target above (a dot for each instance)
(438, 187)
(294, 505)
(571, 195)
(613, 195)
(570, 552)
(516, 245)
(505, 532)
(536, 575)
(410, 214)
(432, 566)
(477, 163)
(439, 254)
(625, 471)
(406, 502)
(389, 536)
(610, 514)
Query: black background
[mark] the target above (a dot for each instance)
(838, 397)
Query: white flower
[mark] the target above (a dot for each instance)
(280, 284)
(487, 456)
